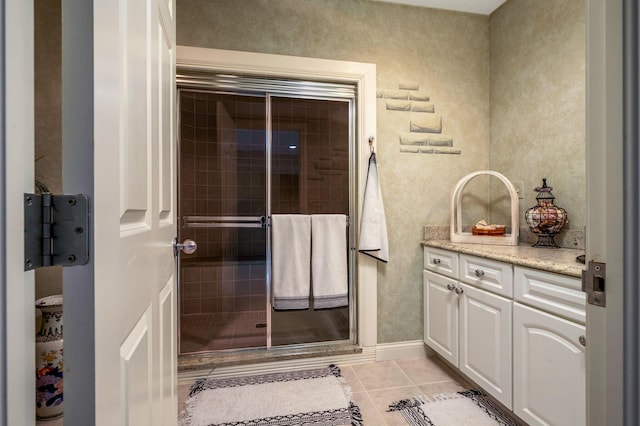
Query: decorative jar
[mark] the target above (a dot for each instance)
(545, 219)
(49, 363)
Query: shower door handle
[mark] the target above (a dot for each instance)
(187, 247)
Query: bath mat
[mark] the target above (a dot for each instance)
(469, 407)
(318, 397)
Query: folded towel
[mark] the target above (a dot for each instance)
(329, 260)
(290, 261)
(373, 226)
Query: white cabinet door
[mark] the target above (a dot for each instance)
(485, 341)
(441, 316)
(549, 368)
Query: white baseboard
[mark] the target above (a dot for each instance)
(401, 350)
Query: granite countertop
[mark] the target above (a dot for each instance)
(558, 260)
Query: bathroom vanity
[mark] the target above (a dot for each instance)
(512, 320)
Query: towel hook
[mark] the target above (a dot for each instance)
(372, 148)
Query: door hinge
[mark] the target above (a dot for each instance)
(56, 230)
(593, 283)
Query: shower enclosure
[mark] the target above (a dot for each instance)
(250, 148)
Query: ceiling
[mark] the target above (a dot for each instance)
(484, 7)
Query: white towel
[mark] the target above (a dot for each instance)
(329, 260)
(373, 226)
(291, 261)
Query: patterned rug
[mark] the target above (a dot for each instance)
(469, 407)
(318, 397)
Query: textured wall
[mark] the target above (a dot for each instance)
(48, 117)
(446, 53)
(538, 101)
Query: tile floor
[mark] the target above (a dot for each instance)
(376, 385)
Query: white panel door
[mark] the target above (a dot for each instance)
(485, 341)
(135, 217)
(17, 324)
(549, 369)
(441, 315)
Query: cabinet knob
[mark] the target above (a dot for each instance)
(450, 286)
(459, 290)
(436, 261)
(582, 340)
(479, 273)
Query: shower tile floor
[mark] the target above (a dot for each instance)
(219, 331)
(235, 330)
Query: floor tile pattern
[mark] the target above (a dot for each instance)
(376, 385)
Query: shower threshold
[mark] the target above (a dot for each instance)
(213, 360)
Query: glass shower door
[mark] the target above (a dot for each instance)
(243, 159)
(310, 174)
(223, 208)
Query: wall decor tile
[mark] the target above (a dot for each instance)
(447, 151)
(409, 150)
(417, 106)
(413, 139)
(440, 140)
(396, 94)
(426, 123)
(408, 86)
(398, 105)
(419, 96)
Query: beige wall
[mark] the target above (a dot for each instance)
(509, 90)
(48, 117)
(538, 99)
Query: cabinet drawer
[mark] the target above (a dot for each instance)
(441, 261)
(556, 294)
(490, 275)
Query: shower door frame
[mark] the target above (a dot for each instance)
(353, 307)
(363, 76)
(188, 85)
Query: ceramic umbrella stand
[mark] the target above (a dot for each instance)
(49, 365)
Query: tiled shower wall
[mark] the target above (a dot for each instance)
(207, 287)
(215, 160)
(314, 177)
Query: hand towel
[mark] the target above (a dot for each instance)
(291, 261)
(329, 276)
(373, 226)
